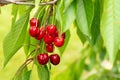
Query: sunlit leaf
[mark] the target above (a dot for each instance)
(81, 36)
(84, 15)
(15, 38)
(22, 74)
(67, 3)
(67, 17)
(22, 9)
(110, 27)
(43, 72)
(26, 75)
(14, 13)
(26, 44)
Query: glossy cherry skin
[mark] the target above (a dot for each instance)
(49, 47)
(51, 29)
(55, 59)
(55, 35)
(41, 34)
(48, 39)
(63, 35)
(34, 22)
(59, 41)
(34, 31)
(43, 58)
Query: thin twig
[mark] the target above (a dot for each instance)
(29, 3)
(30, 54)
(49, 14)
(29, 45)
(23, 66)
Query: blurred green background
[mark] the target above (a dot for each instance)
(70, 55)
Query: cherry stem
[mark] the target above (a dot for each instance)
(27, 61)
(49, 14)
(53, 20)
(29, 3)
(29, 45)
(39, 11)
(44, 17)
(30, 54)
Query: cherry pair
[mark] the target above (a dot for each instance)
(43, 59)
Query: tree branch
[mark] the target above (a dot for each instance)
(29, 3)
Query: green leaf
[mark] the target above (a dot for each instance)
(26, 75)
(14, 13)
(22, 9)
(118, 57)
(81, 36)
(23, 74)
(15, 38)
(110, 27)
(102, 54)
(93, 76)
(66, 18)
(27, 43)
(101, 3)
(95, 28)
(43, 72)
(67, 73)
(39, 14)
(99, 44)
(67, 3)
(79, 67)
(62, 49)
(92, 58)
(34, 42)
(84, 15)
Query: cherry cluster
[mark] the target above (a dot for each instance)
(50, 36)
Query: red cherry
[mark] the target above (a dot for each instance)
(51, 29)
(33, 31)
(59, 41)
(41, 34)
(55, 59)
(43, 58)
(55, 35)
(49, 47)
(48, 39)
(43, 29)
(34, 22)
(63, 35)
